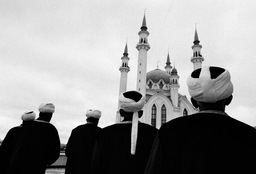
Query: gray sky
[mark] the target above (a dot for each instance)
(69, 53)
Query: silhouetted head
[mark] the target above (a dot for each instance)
(130, 102)
(46, 111)
(210, 88)
(93, 116)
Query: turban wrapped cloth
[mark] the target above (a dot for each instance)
(28, 116)
(211, 84)
(93, 113)
(130, 105)
(46, 108)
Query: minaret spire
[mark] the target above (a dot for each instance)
(168, 66)
(143, 46)
(144, 24)
(124, 69)
(125, 50)
(196, 40)
(197, 58)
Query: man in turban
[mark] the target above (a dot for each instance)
(11, 142)
(125, 147)
(209, 141)
(81, 144)
(37, 144)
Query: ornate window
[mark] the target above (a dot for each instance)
(185, 112)
(163, 114)
(153, 116)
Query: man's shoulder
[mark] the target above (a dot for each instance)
(116, 128)
(87, 126)
(112, 126)
(181, 122)
(147, 126)
(43, 124)
(14, 130)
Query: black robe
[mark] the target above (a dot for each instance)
(7, 147)
(113, 152)
(34, 146)
(80, 147)
(203, 143)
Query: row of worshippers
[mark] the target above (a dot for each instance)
(30, 147)
(209, 141)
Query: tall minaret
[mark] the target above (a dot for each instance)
(124, 69)
(143, 46)
(168, 67)
(174, 87)
(197, 58)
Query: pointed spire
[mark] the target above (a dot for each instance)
(196, 40)
(168, 66)
(144, 25)
(125, 50)
(168, 62)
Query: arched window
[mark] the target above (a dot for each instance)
(161, 85)
(153, 116)
(163, 114)
(150, 84)
(185, 112)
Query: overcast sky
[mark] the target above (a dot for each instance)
(69, 52)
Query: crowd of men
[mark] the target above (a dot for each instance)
(207, 142)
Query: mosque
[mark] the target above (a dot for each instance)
(161, 87)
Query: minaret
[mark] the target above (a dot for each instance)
(142, 47)
(168, 66)
(174, 86)
(124, 69)
(197, 58)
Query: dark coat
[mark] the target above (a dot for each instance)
(113, 153)
(203, 143)
(80, 147)
(7, 147)
(35, 145)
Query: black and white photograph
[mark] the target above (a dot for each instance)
(92, 86)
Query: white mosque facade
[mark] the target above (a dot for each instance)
(161, 87)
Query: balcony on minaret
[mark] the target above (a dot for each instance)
(124, 68)
(143, 44)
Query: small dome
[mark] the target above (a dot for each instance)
(174, 71)
(157, 74)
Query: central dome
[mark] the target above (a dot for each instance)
(157, 74)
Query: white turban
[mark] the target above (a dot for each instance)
(93, 113)
(28, 116)
(210, 90)
(129, 105)
(46, 108)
